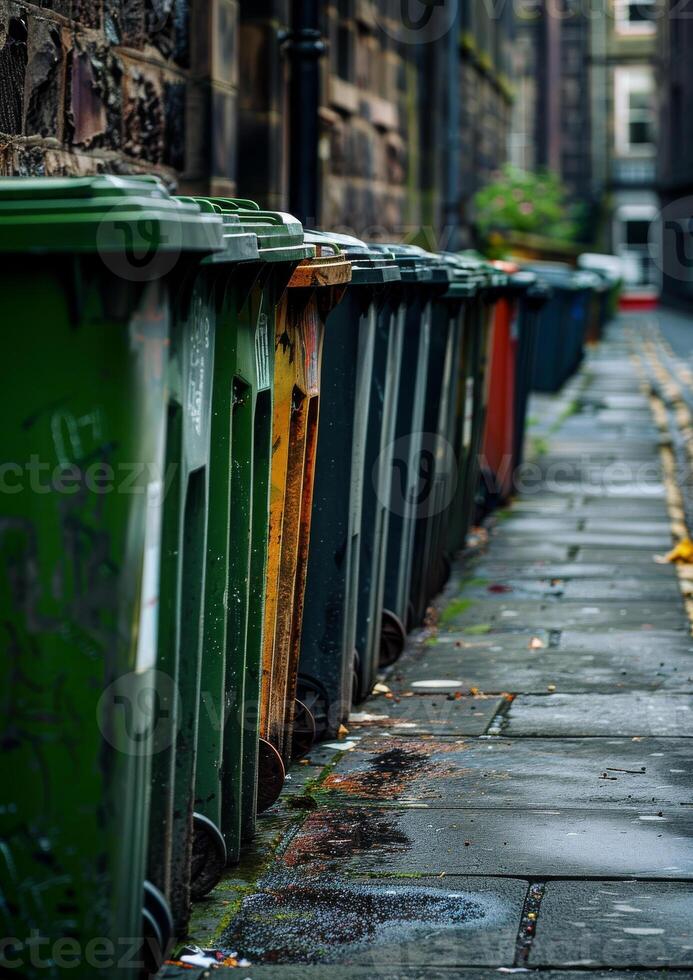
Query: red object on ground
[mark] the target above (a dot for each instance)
(644, 300)
(497, 458)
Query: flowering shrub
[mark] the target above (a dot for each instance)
(520, 201)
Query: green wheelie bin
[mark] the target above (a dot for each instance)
(88, 269)
(214, 549)
(438, 465)
(328, 661)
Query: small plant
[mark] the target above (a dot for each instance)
(526, 202)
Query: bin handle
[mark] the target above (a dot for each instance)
(232, 206)
(325, 243)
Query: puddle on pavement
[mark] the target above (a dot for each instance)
(322, 924)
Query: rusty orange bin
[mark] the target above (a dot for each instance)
(316, 286)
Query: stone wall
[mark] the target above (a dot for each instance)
(196, 91)
(119, 86)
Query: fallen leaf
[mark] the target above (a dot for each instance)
(342, 732)
(381, 689)
(536, 644)
(683, 552)
(551, 687)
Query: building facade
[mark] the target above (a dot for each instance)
(586, 110)
(675, 151)
(375, 116)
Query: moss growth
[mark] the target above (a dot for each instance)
(539, 446)
(572, 409)
(479, 629)
(456, 608)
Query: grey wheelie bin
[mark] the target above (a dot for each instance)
(328, 660)
(424, 276)
(384, 393)
(472, 395)
(430, 565)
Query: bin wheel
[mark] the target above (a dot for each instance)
(314, 698)
(393, 636)
(303, 735)
(157, 930)
(208, 856)
(270, 776)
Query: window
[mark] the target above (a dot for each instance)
(634, 111)
(635, 16)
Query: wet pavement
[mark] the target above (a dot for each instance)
(519, 794)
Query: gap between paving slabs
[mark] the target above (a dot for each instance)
(364, 842)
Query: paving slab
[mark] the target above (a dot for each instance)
(491, 568)
(504, 611)
(599, 554)
(617, 587)
(446, 669)
(307, 971)
(571, 523)
(615, 923)
(502, 772)
(541, 843)
(380, 922)
(600, 714)
(432, 714)
(584, 539)
(583, 489)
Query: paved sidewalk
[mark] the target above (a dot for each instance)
(522, 798)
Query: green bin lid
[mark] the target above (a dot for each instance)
(370, 265)
(240, 245)
(105, 214)
(493, 279)
(464, 279)
(411, 261)
(280, 236)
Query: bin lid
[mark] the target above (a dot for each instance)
(240, 245)
(519, 280)
(329, 267)
(564, 276)
(539, 292)
(413, 262)
(491, 277)
(104, 214)
(464, 280)
(370, 264)
(280, 236)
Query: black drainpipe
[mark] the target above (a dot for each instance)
(305, 46)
